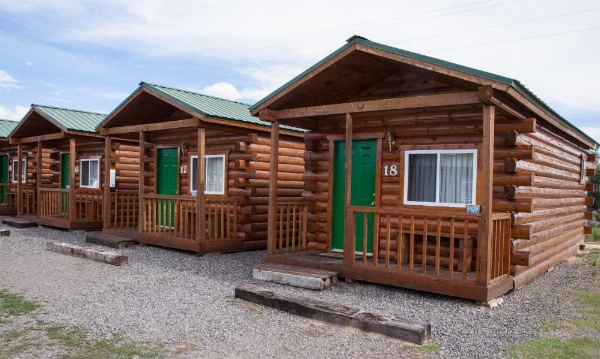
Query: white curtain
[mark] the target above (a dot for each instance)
(456, 178)
(215, 176)
(422, 177)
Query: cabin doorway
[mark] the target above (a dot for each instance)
(3, 179)
(65, 178)
(166, 184)
(364, 160)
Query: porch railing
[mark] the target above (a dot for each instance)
(6, 197)
(29, 193)
(54, 203)
(426, 242)
(176, 216)
(292, 224)
(500, 245)
(124, 209)
(88, 205)
(220, 219)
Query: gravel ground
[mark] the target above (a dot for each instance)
(186, 301)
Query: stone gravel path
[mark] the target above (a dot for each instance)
(186, 302)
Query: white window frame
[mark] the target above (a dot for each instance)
(14, 174)
(438, 174)
(192, 184)
(81, 161)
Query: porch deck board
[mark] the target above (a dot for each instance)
(18, 222)
(429, 281)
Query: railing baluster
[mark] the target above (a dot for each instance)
(388, 241)
(451, 245)
(411, 253)
(365, 234)
(399, 243)
(424, 241)
(438, 240)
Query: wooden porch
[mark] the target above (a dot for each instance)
(9, 193)
(418, 249)
(70, 208)
(173, 221)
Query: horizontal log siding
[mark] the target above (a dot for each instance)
(549, 225)
(433, 129)
(124, 201)
(247, 170)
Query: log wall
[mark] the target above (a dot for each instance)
(248, 168)
(540, 179)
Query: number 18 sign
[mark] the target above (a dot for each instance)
(390, 170)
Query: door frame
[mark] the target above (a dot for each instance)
(376, 136)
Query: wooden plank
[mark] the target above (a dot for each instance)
(107, 199)
(295, 276)
(72, 184)
(161, 126)
(201, 180)
(38, 170)
(272, 214)
(407, 330)
(460, 98)
(53, 136)
(142, 218)
(19, 183)
(108, 257)
(349, 229)
(485, 221)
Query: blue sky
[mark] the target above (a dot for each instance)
(91, 54)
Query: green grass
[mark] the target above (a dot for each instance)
(430, 347)
(595, 236)
(555, 348)
(12, 304)
(586, 345)
(75, 341)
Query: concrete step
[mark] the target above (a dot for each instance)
(308, 278)
(19, 222)
(109, 240)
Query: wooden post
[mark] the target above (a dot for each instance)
(107, 202)
(485, 221)
(18, 175)
(72, 164)
(201, 180)
(141, 210)
(349, 228)
(272, 221)
(38, 179)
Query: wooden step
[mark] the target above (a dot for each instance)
(411, 331)
(109, 240)
(19, 222)
(302, 277)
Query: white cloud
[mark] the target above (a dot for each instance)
(15, 114)
(7, 82)
(593, 132)
(29, 63)
(228, 91)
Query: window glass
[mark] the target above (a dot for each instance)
(440, 177)
(215, 174)
(15, 174)
(89, 173)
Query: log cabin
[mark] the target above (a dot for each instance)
(428, 175)
(204, 171)
(57, 166)
(8, 205)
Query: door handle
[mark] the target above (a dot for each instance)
(373, 203)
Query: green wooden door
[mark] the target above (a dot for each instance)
(364, 159)
(166, 184)
(3, 179)
(65, 178)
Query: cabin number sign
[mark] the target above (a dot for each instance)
(390, 171)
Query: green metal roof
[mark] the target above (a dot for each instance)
(518, 86)
(68, 119)
(206, 106)
(6, 127)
